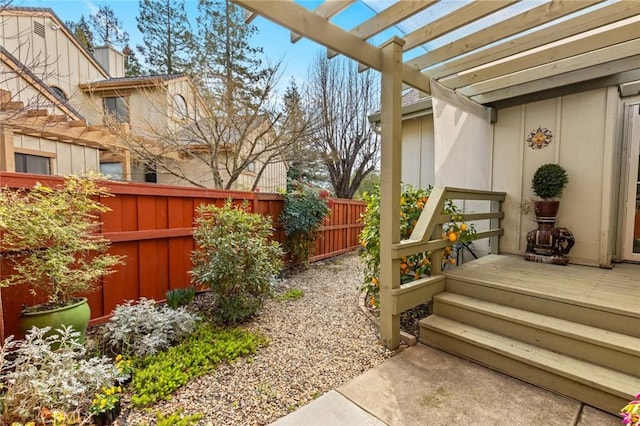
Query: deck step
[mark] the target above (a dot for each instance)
(546, 304)
(603, 347)
(598, 386)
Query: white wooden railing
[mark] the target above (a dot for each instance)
(427, 237)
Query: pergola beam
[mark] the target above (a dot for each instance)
(554, 69)
(606, 15)
(299, 20)
(454, 20)
(326, 10)
(621, 34)
(521, 22)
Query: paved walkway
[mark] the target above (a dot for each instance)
(424, 386)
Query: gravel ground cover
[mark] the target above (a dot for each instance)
(317, 343)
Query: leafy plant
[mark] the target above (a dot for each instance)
(144, 327)
(631, 412)
(549, 181)
(177, 419)
(36, 381)
(158, 376)
(291, 294)
(48, 235)
(303, 213)
(412, 202)
(180, 297)
(235, 258)
(105, 400)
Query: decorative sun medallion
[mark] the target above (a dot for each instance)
(539, 138)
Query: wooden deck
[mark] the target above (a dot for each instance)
(614, 290)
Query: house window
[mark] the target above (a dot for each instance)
(27, 163)
(150, 174)
(251, 167)
(117, 108)
(181, 106)
(59, 92)
(112, 170)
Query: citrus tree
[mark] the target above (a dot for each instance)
(413, 267)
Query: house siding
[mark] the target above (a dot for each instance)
(581, 144)
(69, 158)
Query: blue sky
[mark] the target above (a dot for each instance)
(273, 38)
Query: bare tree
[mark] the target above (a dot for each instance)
(201, 144)
(340, 99)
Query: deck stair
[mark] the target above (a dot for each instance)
(548, 335)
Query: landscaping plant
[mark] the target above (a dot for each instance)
(412, 202)
(631, 412)
(158, 376)
(145, 327)
(235, 258)
(180, 297)
(304, 210)
(53, 387)
(48, 236)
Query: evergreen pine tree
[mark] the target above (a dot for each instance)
(167, 37)
(82, 31)
(132, 66)
(107, 27)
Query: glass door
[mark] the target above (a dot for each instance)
(632, 204)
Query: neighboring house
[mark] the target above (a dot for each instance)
(47, 73)
(41, 128)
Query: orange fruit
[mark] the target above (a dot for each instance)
(453, 236)
(374, 280)
(453, 261)
(463, 227)
(403, 266)
(404, 259)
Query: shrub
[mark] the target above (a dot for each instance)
(549, 181)
(235, 258)
(180, 297)
(48, 235)
(158, 376)
(144, 328)
(303, 213)
(37, 382)
(412, 267)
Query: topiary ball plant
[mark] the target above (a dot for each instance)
(549, 181)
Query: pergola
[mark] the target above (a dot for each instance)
(488, 53)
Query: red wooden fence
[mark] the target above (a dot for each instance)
(152, 226)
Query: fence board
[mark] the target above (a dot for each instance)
(152, 225)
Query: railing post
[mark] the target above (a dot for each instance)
(391, 122)
(494, 242)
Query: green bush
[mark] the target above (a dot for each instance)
(156, 377)
(235, 258)
(412, 202)
(303, 213)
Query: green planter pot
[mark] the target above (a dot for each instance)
(76, 314)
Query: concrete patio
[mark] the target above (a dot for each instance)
(422, 385)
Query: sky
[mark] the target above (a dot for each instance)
(271, 37)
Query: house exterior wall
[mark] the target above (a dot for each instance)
(587, 138)
(584, 142)
(55, 58)
(418, 152)
(66, 158)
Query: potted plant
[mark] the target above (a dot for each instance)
(48, 239)
(548, 183)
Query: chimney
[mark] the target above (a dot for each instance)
(111, 59)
